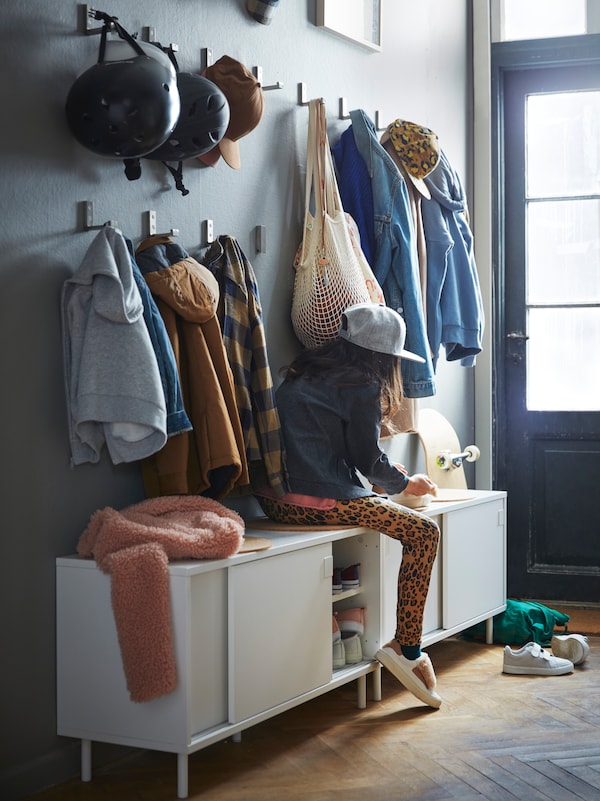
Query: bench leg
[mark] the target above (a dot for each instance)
(86, 760)
(182, 776)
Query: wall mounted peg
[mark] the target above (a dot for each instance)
(378, 125)
(344, 109)
(87, 213)
(206, 58)
(260, 238)
(302, 95)
(208, 232)
(149, 35)
(258, 74)
(151, 226)
(87, 16)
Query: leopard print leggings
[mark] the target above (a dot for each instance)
(418, 534)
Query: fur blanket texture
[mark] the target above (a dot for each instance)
(134, 547)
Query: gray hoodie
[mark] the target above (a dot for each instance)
(113, 386)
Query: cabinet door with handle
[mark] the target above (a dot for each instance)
(280, 629)
(474, 559)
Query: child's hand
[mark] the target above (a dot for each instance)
(420, 484)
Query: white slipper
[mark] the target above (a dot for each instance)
(404, 670)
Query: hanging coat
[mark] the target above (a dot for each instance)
(209, 460)
(395, 261)
(241, 318)
(113, 385)
(455, 317)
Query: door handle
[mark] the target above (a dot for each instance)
(517, 335)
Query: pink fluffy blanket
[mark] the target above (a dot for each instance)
(134, 546)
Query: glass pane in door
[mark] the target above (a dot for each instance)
(563, 368)
(563, 238)
(562, 205)
(563, 144)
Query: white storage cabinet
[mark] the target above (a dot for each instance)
(252, 633)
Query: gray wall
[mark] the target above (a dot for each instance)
(422, 74)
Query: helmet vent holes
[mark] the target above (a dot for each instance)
(126, 105)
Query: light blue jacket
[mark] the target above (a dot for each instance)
(113, 386)
(395, 263)
(455, 316)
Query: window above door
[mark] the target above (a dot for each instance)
(542, 19)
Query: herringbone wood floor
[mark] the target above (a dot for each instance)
(496, 737)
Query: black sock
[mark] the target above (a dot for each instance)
(411, 651)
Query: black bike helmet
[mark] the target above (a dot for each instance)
(202, 122)
(123, 109)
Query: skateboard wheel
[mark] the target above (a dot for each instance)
(472, 453)
(443, 460)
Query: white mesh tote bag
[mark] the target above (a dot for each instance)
(328, 275)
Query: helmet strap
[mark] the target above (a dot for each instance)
(109, 23)
(133, 169)
(177, 173)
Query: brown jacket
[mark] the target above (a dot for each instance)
(210, 459)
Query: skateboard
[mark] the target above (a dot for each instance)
(443, 455)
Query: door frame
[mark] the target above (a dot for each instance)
(506, 57)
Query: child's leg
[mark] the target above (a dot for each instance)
(418, 534)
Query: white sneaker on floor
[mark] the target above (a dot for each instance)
(571, 646)
(533, 660)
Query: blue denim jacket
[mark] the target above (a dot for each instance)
(331, 432)
(396, 264)
(177, 419)
(455, 315)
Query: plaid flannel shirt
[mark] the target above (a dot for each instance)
(244, 338)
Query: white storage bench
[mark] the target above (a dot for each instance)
(252, 633)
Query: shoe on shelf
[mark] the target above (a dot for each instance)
(339, 654)
(352, 648)
(336, 581)
(415, 674)
(351, 577)
(336, 634)
(571, 646)
(351, 620)
(533, 660)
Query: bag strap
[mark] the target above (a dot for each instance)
(311, 180)
(318, 172)
(321, 182)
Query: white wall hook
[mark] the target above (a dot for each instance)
(302, 95)
(87, 16)
(206, 58)
(151, 226)
(344, 109)
(208, 232)
(260, 238)
(258, 74)
(87, 212)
